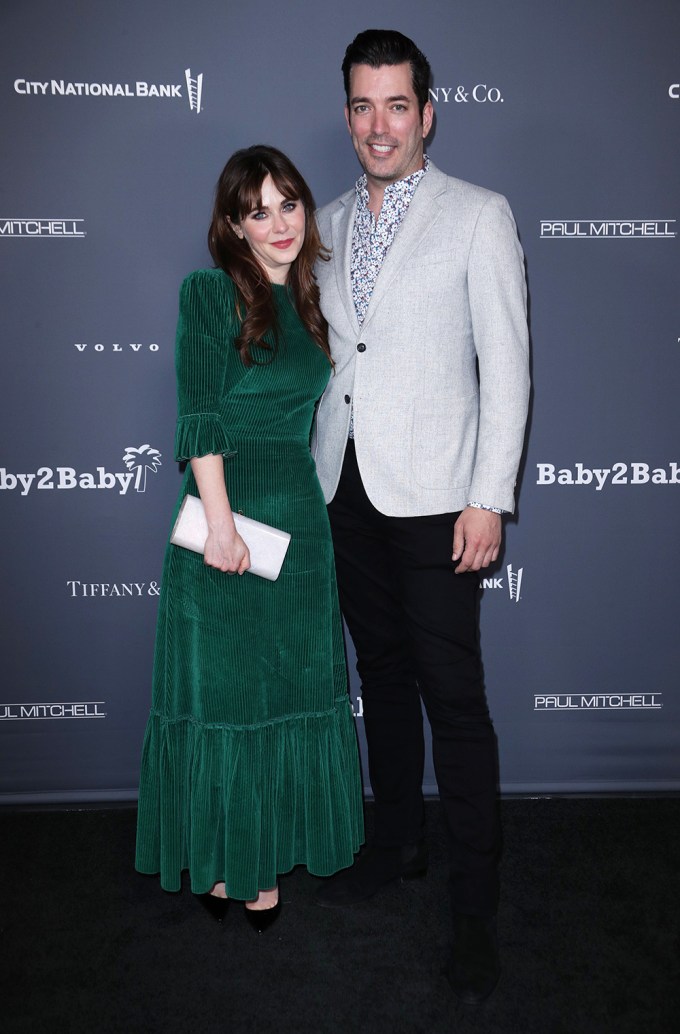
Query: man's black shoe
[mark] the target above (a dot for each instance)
(374, 868)
(475, 968)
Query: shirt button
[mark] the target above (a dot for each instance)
(347, 399)
(361, 347)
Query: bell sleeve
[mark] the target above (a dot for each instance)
(204, 347)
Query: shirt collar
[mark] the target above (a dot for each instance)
(403, 187)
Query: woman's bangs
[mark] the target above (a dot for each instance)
(249, 197)
(249, 193)
(286, 185)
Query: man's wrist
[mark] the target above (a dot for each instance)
(483, 506)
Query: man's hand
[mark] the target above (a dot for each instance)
(476, 539)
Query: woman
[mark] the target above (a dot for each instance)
(250, 761)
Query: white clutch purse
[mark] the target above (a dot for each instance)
(267, 545)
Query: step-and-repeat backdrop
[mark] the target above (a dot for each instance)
(116, 121)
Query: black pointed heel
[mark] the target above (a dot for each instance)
(216, 907)
(262, 918)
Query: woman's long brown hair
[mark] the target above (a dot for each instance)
(238, 193)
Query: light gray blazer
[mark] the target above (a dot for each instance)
(430, 435)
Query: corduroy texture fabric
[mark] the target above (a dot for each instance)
(250, 762)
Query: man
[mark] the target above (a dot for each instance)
(417, 443)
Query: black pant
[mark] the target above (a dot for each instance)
(414, 624)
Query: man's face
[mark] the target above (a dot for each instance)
(384, 122)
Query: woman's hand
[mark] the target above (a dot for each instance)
(226, 550)
(224, 547)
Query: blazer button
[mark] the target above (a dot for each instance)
(361, 347)
(347, 399)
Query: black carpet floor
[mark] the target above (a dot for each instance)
(588, 929)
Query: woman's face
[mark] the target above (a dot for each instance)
(275, 232)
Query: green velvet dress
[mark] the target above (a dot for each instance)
(250, 762)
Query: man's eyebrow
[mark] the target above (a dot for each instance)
(390, 100)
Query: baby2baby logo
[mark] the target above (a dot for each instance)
(140, 462)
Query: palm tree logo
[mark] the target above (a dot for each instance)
(142, 459)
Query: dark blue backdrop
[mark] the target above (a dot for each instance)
(116, 120)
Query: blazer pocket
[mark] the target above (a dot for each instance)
(444, 441)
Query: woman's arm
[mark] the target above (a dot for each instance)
(224, 547)
(204, 349)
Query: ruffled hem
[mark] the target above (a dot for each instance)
(201, 434)
(244, 805)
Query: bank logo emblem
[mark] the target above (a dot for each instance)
(140, 460)
(140, 88)
(514, 586)
(514, 583)
(194, 90)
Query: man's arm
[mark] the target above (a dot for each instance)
(497, 299)
(497, 292)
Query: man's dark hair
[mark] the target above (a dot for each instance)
(377, 47)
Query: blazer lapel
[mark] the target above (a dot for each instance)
(422, 213)
(342, 226)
